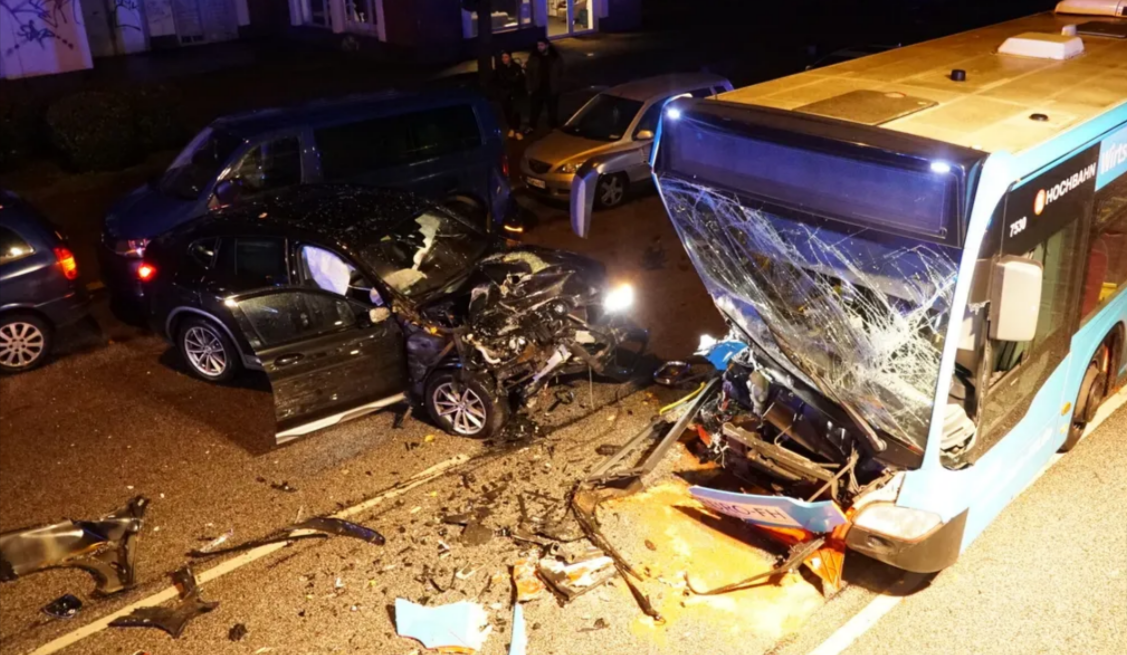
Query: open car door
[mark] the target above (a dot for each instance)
(329, 359)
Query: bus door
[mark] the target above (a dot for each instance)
(1022, 384)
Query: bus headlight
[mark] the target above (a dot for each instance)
(619, 298)
(900, 523)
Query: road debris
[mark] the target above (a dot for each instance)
(318, 527)
(63, 607)
(283, 486)
(103, 547)
(462, 627)
(173, 619)
(518, 645)
(237, 632)
(476, 534)
(572, 580)
(528, 586)
(217, 542)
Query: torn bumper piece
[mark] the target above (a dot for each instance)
(104, 548)
(315, 528)
(173, 619)
(934, 552)
(773, 511)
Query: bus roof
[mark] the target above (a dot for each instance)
(990, 111)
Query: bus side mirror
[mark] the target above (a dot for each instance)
(1015, 299)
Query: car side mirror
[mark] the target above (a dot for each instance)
(227, 192)
(1015, 299)
(378, 315)
(644, 135)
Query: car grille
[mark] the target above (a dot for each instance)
(539, 167)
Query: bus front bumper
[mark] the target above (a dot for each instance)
(933, 553)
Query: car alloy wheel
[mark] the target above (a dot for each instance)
(205, 352)
(461, 407)
(611, 190)
(22, 344)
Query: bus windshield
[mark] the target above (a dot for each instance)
(855, 312)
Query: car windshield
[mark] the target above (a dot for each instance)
(198, 164)
(856, 312)
(425, 253)
(604, 118)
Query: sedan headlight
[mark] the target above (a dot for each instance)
(571, 167)
(619, 298)
(132, 248)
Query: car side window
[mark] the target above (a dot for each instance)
(702, 93)
(202, 252)
(13, 246)
(650, 118)
(272, 165)
(247, 263)
(288, 316)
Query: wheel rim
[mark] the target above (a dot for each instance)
(205, 351)
(612, 190)
(21, 344)
(461, 407)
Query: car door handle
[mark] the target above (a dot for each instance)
(286, 360)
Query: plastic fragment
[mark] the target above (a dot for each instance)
(460, 627)
(63, 607)
(217, 542)
(572, 580)
(528, 585)
(519, 643)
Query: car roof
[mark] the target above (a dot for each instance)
(342, 215)
(262, 121)
(663, 85)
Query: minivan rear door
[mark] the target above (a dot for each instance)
(329, 359)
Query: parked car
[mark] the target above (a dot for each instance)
(353, 298)
(442, 144)
(39, 288)
(619, 121)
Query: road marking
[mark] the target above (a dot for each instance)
(864, 620)
(229, 565)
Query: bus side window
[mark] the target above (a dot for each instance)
(1107, 252)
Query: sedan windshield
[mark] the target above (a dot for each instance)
(198, 164)
(860, 314)
(425, 253)
(604, 118)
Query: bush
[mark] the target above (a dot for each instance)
(95, 130)
(157, 113)
(21, 131)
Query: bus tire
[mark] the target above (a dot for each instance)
(1091, 396)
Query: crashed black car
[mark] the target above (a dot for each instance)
(353, 299)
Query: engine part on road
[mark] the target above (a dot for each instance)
(104, 547)
(173, 619)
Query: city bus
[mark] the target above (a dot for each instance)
(922, 257)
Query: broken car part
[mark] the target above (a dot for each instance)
(518, 645)
(104, 547)
(794, 559)
(173, 619)
(573, 580)
(315, 528)
(63, 607)
(462, 626)
(528, 586)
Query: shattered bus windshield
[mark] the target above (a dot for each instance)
(861, 314)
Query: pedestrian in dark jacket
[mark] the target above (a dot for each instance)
(511, 89)
(545, 77)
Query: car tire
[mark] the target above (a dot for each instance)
(25, 342)
(464, 408)
(1092, 389)
(207, 351)
(610, 190)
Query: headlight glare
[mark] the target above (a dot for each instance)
(619, 298)
(571, 167)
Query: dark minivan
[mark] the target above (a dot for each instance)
(444, 145)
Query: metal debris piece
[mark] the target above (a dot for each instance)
(573, 580)
(795, 558)
(104, 548)
(237, 632)
(462, 626)
(217, 542)
(173, 619)
(528, 586)
(318, 527)
(673, 373)
(63, 607)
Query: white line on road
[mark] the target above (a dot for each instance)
(864, 620)
(226, 566)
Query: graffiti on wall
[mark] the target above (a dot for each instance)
(38, 37)
(127, 14)
(40, 21)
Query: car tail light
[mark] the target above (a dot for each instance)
(67, 262)
(505, 165)
(146, 272)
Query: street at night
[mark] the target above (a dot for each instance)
(651, 338)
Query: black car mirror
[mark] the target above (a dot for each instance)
(228, 191)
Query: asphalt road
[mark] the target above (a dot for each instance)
(114, 416)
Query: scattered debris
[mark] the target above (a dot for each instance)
(600, 624)
(103, 547)
(519, 643)
(237, 632)
(173, 619)
(573, 580)
(218, 541)
(650, 545)
(463, 626)
(283, 486)
(793, 561)
(318, 527)
(528, 585)
(63, 607)
(673, 374)
(476, 534)
(607, 449)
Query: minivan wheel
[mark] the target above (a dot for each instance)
(610, 190)
(207, 350)
(25, 342)
(465, 408)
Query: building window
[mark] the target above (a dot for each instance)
(362, 14)
(507, 15)
(317, 13)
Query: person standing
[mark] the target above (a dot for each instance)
(511, 88)
(545, 76)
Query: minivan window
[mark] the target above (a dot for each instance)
(355, 148)
(198, 164)
(272, 165)
(12, 246)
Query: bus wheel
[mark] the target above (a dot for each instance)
(1092, 390)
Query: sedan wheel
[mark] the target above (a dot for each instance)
(465, 408)
(208, 353)
(24, 343)
(611, 190)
